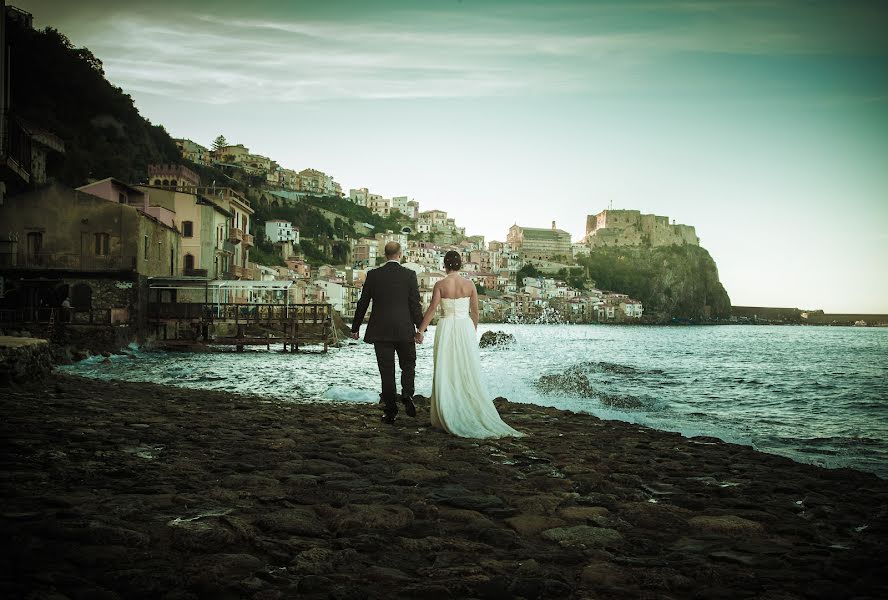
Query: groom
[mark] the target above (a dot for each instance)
(392, 327)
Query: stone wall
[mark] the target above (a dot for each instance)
(23, 359)
(631, 228)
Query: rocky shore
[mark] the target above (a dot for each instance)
(131, 490)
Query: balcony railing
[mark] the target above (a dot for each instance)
(248, 240)
(235, 235)
(194, 272)
(70, 262)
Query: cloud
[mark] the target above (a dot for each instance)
(422, 53)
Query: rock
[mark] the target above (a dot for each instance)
(527, 525)
(496, 338)
(375, 517)
(98, 533)
(228, 566)
(583, 513)
(204, 535)
(605, 574)
(583, 536)
(295, 521)
(460, 497)
(419, 475)
(314, 561)
(726, 525)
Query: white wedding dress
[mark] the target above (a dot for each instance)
(460, 404)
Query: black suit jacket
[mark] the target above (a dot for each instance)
(396, 310)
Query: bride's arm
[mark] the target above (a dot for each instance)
(473, 306)
(430, 311)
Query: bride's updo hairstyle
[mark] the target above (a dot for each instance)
(452, 260)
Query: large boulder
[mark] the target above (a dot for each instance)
(496, 338)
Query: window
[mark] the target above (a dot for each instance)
(157, 182)
(145, 246)
(189, 262)
(187, 229)
(102, 244)
(121, 197)
(35, 244)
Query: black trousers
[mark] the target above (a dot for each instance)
(385, 359)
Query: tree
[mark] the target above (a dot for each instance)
(528, 270)
(219, 143)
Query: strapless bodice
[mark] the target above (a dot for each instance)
(457, 308)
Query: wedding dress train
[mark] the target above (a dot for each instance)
(460, 404)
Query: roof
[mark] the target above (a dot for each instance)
(541, 233)
(112, 180)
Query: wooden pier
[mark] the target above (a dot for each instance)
(199, 325)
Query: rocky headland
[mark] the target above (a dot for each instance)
(133, 490)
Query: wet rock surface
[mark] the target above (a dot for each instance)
(129, 490)
(496, 338)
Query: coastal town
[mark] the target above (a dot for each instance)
(225, 226)
(174, 232)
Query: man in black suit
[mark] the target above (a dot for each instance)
(392, 327)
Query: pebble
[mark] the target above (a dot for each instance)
(267, 500)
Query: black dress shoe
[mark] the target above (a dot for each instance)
(409, 406)
(389, 418)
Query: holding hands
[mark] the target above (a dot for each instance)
(418, 337)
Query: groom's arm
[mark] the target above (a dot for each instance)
(363, 304)
(413, 301)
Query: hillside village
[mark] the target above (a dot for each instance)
(224, 224)
(518, 279)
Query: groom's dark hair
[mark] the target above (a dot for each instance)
(392, 249)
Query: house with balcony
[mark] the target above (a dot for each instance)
(202, 222)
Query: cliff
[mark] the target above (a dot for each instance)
(63, 89)
(671, 281)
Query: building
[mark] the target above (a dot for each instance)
(65, 243)
(278, 231)
(287, 178)
(204, 221)
(317, 183)
(380, 206)
(366, 252)
(540, 244)
(231, 154)
(193, 151)
(406, 206)
(114, 190)
(173, 176)
(631, 228)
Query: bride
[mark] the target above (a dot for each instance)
(460, 404)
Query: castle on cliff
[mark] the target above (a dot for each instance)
(631, 228)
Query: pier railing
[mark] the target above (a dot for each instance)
(240, 313)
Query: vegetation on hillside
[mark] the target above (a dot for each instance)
(62, 89)
(359, 214)
(671, 281)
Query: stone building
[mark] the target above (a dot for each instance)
(631, 228)
(60, 242)
(540, 244)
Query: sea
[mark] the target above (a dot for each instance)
(815, 394)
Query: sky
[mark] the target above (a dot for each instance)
(762, 123)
